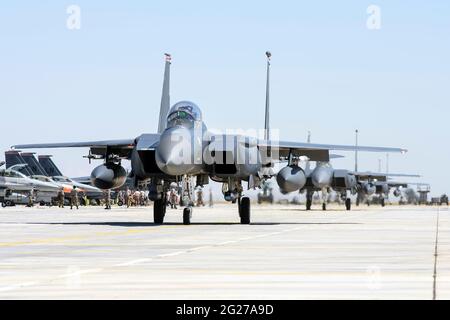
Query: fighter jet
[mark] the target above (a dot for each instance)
(45, 170)
(12, 181)
(184, 148)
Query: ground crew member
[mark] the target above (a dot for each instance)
(108, 200)
(74, 198)
(211, 202)
(173, 199)
(128, 197)
(61, 198)
(31, 198)
(200, 198)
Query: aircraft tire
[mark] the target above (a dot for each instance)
(159, 211)
(308, 204)
(348, 204)
(187, 215)
(244, 210)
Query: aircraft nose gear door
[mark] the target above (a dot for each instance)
(187, 198)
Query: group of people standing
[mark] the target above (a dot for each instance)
(174, 198)
(131, 198)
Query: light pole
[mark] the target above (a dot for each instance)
(356, 150)
(387, 162)
(266, 120)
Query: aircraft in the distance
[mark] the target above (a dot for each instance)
(14, 182)
(45, 170)
(184, 148)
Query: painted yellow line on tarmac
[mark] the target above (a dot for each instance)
(94, 235)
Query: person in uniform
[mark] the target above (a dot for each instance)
(128, 197)
(173, 198)
(61, 198)
(74, 202)
(211, 201)
(31, 198)
(200, 198)
(108, 200)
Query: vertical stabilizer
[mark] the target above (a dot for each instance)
(165, 98)
(33, 164)
(49, 166)
(13, 158)
(267, 114)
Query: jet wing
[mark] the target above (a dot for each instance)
(375, 175)
(88, 144)
(393, 184)
(317, 152)
(122, 148)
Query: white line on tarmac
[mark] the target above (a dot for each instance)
(139, 261)
(18, 286)
(133, 262)
(172, 254)
(77, 273)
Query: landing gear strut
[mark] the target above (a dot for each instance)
(324, 199)
(308, 200)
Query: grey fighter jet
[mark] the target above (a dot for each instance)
(184, 148)
(45, 170)
(379, 184)
(14, 182)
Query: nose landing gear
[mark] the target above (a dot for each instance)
(244, 210)
(159, 210)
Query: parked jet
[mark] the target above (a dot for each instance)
(12, 181)
(45, 170)
(184, 148)
(325, 178)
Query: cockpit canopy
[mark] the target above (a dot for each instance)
(12, 174)
(184, 113)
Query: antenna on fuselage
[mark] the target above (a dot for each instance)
(165, 98)
(356, 150)
(266, 120)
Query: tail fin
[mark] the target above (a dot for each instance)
(49, 166)
(33, 164)
(13, 158)
(266, 118)
(165, 98)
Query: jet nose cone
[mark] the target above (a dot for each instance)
(174, 153)
(321, 179)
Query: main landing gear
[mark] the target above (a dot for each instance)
(159, 210)
(348, 204)
(187, 215)
(244, 209)
(309, 196)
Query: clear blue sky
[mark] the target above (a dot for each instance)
(330, 73)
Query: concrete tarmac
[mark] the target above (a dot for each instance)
(286, 253)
